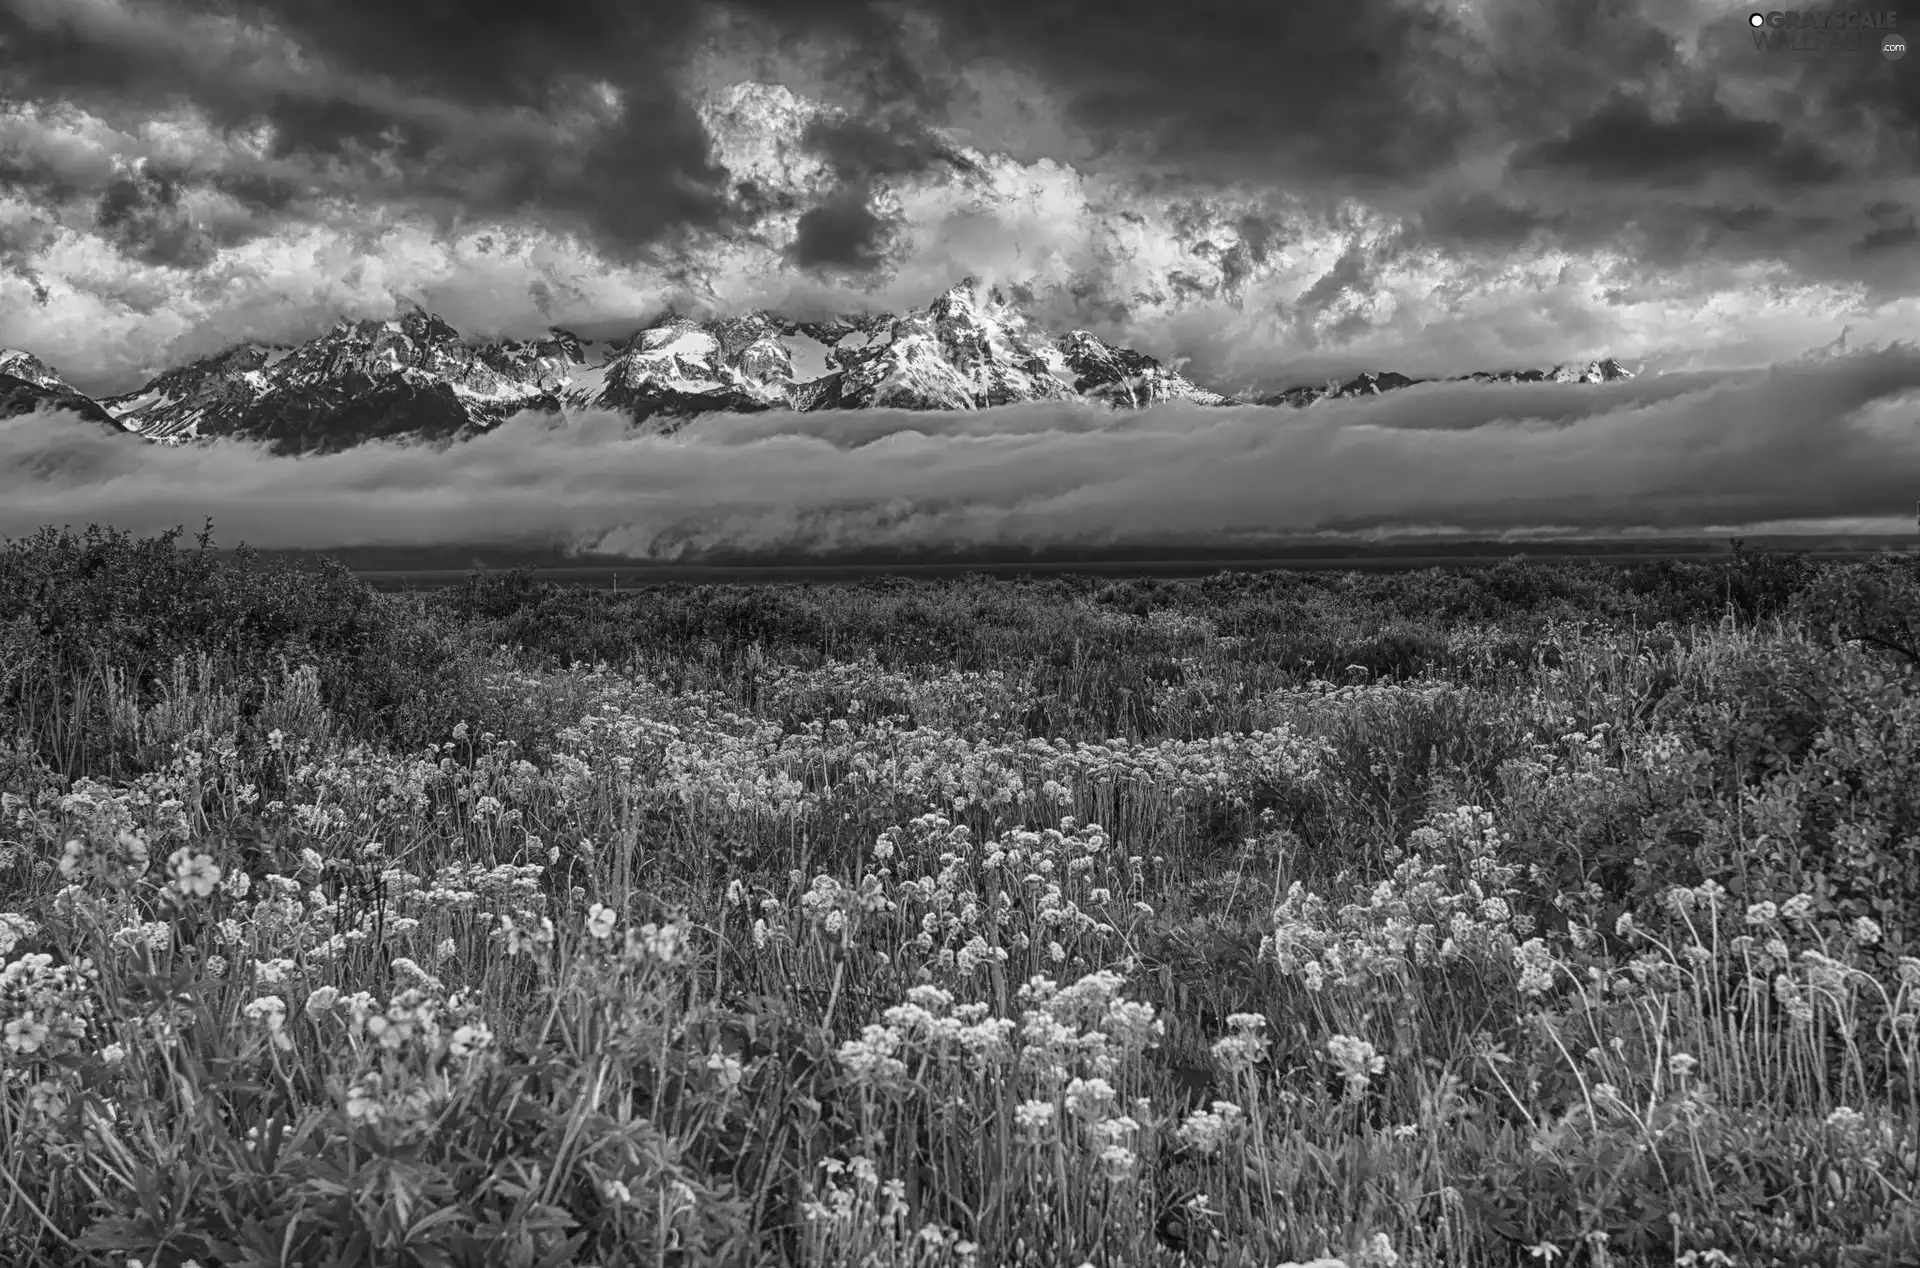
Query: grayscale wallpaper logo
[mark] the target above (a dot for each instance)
(1829, 31)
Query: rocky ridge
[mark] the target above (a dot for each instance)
(1372, 384)
(416, 378)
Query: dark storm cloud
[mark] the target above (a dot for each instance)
(460, 109)
(843, 232)
(1624, 141)
(1231, 87)
(1486, 220)
(840, 233)
(141, 215)
(1614, 116)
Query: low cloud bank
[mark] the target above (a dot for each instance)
(1830, 441)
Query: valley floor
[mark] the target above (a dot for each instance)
(1545, 915)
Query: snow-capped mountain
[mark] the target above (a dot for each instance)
(416, 378)
(27, 383)
(1372, 384)
(963, 351)
(413, 376)
(24, 365)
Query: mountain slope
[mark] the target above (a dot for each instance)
(27, 384)
(24, 396)
(1372, 384)
(412, 377)
(416, 379)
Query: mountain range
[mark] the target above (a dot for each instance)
(417, 378)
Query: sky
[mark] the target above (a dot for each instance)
(1274, 192)
(1258, 193)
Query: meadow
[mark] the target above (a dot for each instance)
(1506, 916)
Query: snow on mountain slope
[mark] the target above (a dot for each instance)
(27, 384)
(414, 378)
(1372, 384)
(24, 365)
(1127, 379)
(218, 388)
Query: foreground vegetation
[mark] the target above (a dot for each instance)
(1481, 918)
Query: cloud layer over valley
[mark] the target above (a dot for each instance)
(1820, 444)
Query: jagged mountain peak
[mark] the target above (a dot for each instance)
(413, 376)
(28, 384)
(1373, 383)
(24, 365)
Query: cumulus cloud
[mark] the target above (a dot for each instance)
(1266, 193)
(1820, 441)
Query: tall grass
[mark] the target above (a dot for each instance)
(1459, 919)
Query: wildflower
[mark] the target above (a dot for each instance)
(1762, 913)
(1846, 1119)
(14, 927)
(272, 972)
(1087, 1097)
(1788, 993)
(600, 921)
(1866, 931)
(729, 1069)
(408, 966)
(363, 1103)
(661, 942)
(1357, 1061)
(1681, 1064)
(1536, 966)
(1034, 1116)
(469, 1039)
(133, 853)
(194, 873)
(1378, 1253)
(1207, 1130)
(1241, 1051)
(270, 1011)
(870, 1057)
(113, 1053)
(24, 1035)
(1798, 907)
(322, 1000)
